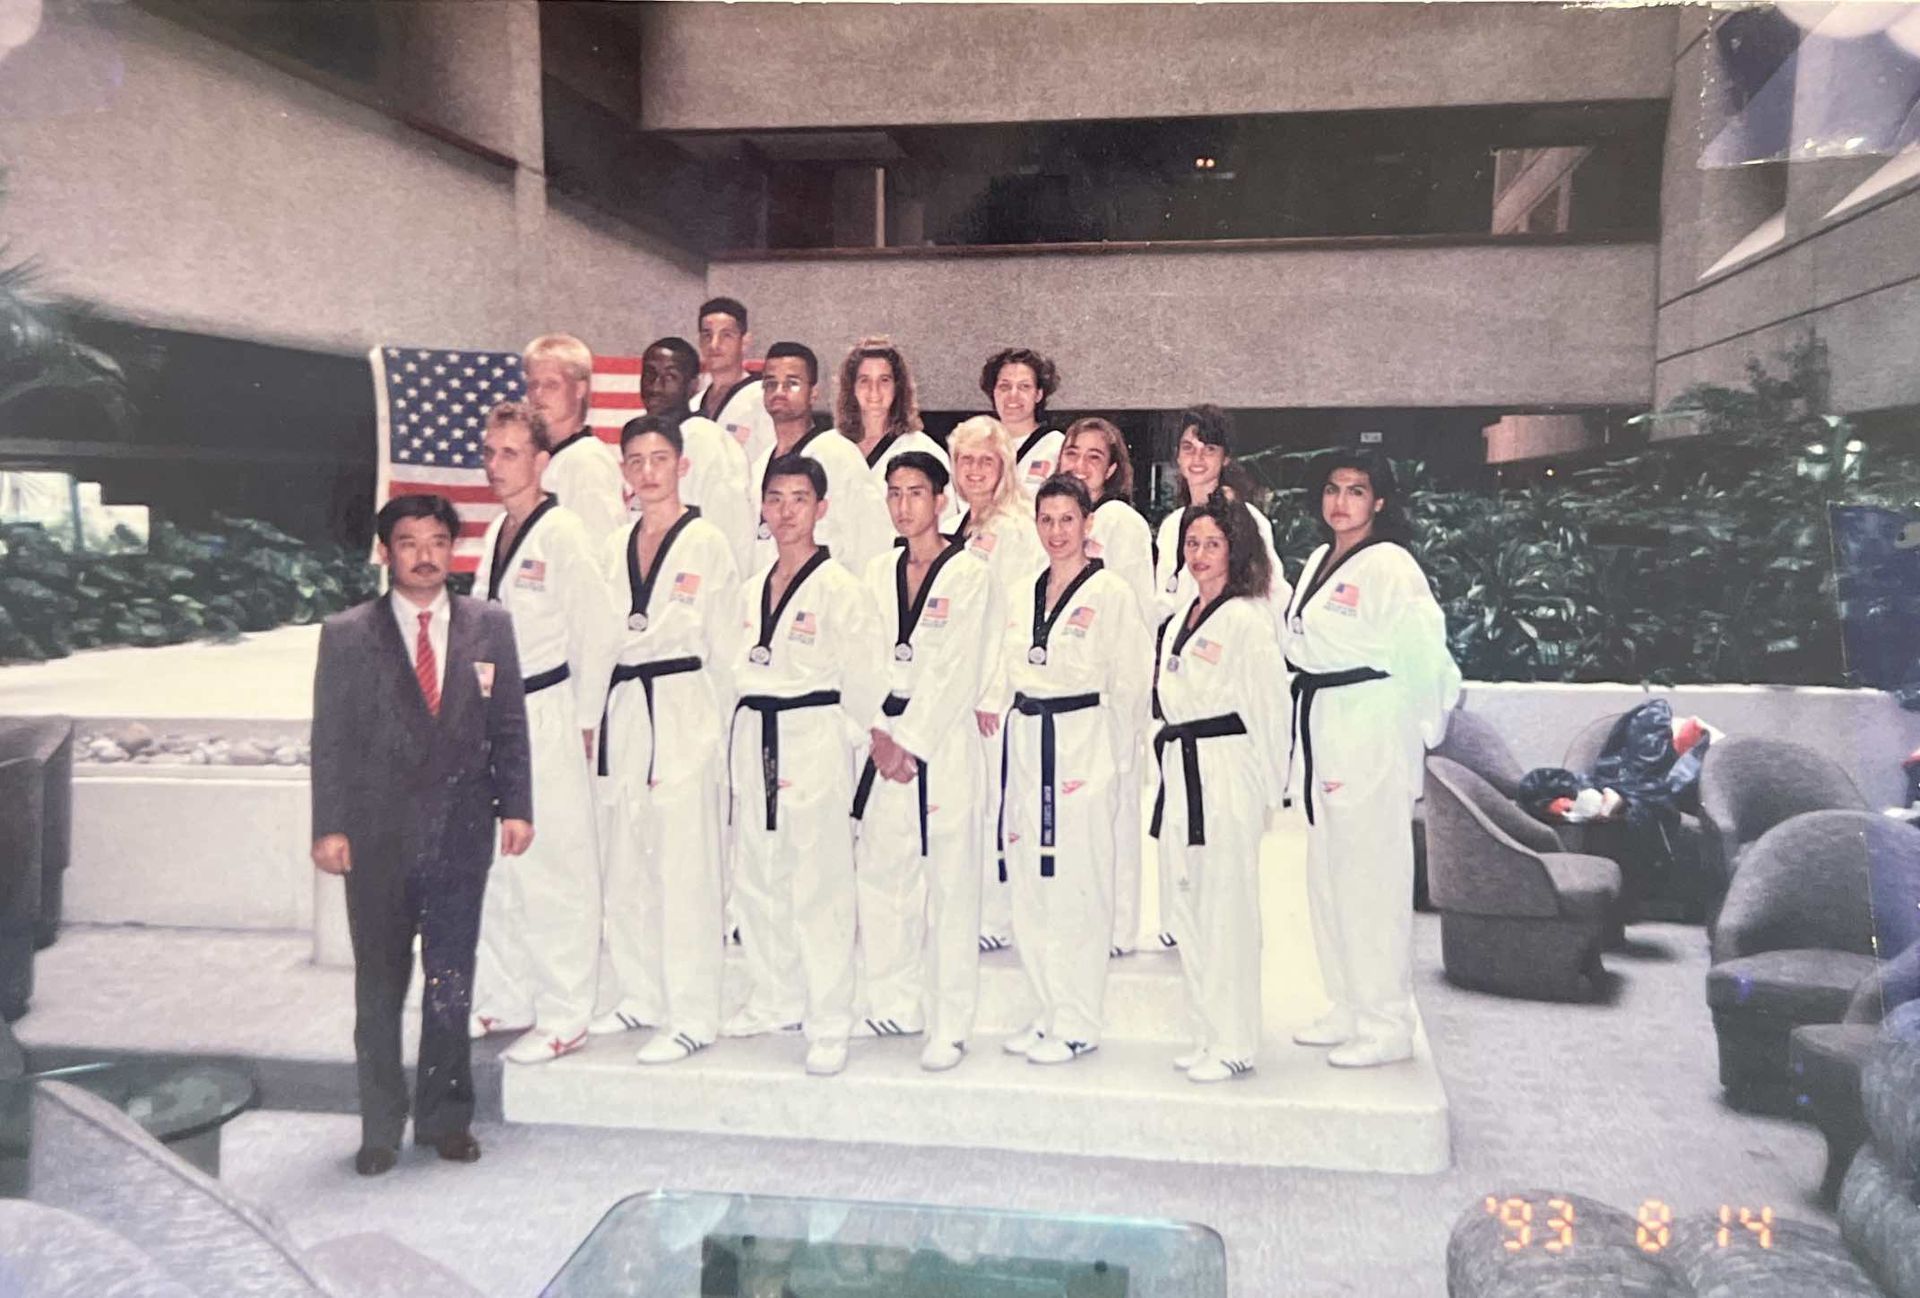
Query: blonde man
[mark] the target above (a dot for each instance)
(584, 471)
(997, 526)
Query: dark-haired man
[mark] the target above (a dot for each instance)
(855, 528)
(729, 395)
(716, 479)
(540, 935)
(919, 798)
(661, 752)
(419, 743)
(809, 670)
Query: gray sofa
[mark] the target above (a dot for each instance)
(96, 1177)
(1796, 938)
(1518, 916)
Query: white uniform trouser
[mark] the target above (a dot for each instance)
(540, 921)
(1360, 862)
(1062, 922)
(920, 915)
(663, 905)
(1127, 853)
(996, 894)
(1212, 901)
(793, 886)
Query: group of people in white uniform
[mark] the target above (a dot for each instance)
(872, 707)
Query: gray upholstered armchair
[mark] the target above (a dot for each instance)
(1796, 938)
(1472, 741)
(1826, 1060)
(1748, 785)
(1518, 915)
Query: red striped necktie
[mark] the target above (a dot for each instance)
(426, 667)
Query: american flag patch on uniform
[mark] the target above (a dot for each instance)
(1345, 593)
(533, 569)
(1207, 649)
(686, 584)
(937, 609)
(806, 624)
(1082, 617)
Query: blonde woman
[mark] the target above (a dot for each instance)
(997, 526)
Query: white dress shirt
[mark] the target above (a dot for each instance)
(407, 614)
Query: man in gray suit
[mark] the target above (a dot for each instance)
(419, 745)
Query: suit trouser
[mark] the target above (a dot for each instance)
(385, 909)
(540, 928)
(1359, 879)
(920, 915)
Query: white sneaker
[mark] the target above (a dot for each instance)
(485, 1025)
(750, 1022)
(614, 1022)
(1336, 1029)
(539, 1046)
(887, 1028)
(668, 1048)
(1053, 1050)
(1218, 1070)
(1188, 1060)
(825, 1058)
(1370, 1052)
(1023, 1043)
(994, 942)
(939, 1056)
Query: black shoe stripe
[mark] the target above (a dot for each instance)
(687, 1041)
(628, 1019)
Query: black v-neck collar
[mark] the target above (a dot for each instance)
(699, 406)
(1043, 620)
(1303, 596)
(770, 613)
(910, 611)
(1186, 631)
(640, 585)
(880, 448)
(1033, 439)
(1104, 501)
(811, 436)
(502, 562)
(580, 436)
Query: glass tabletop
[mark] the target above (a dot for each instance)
(171, 1099)
(670, 1244)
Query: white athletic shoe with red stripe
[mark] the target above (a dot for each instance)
(538, 1046)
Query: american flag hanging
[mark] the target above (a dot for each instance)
(432, 407)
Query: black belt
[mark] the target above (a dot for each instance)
(1305, 686)
(645, 673)
(893, 707)
(1189, 734)
(1046, 709)
(546, 679)
(770, 706)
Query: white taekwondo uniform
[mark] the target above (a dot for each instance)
(808, 675)
(1219, 749)
(540, 922)
(1010, 546)
(1037, 458)
(742, 416)
(716, 483)
(918, 856)
(662, 758)
(1173, 585)
(1121, 539)
(894, 445)
(1373, 684)
(857, 525)
(1080, 673)
(584, 475)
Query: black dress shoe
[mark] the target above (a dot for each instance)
(459, 1147)
(372, 1160)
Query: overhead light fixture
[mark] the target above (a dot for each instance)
(1204, 163)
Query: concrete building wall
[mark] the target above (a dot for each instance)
(212, 192)
(765, 66)
(1436, 326)
(1851, 279)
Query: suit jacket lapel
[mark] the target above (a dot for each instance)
(396, 659)
(460, 687)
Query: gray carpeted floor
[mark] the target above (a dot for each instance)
(1616, 1100)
